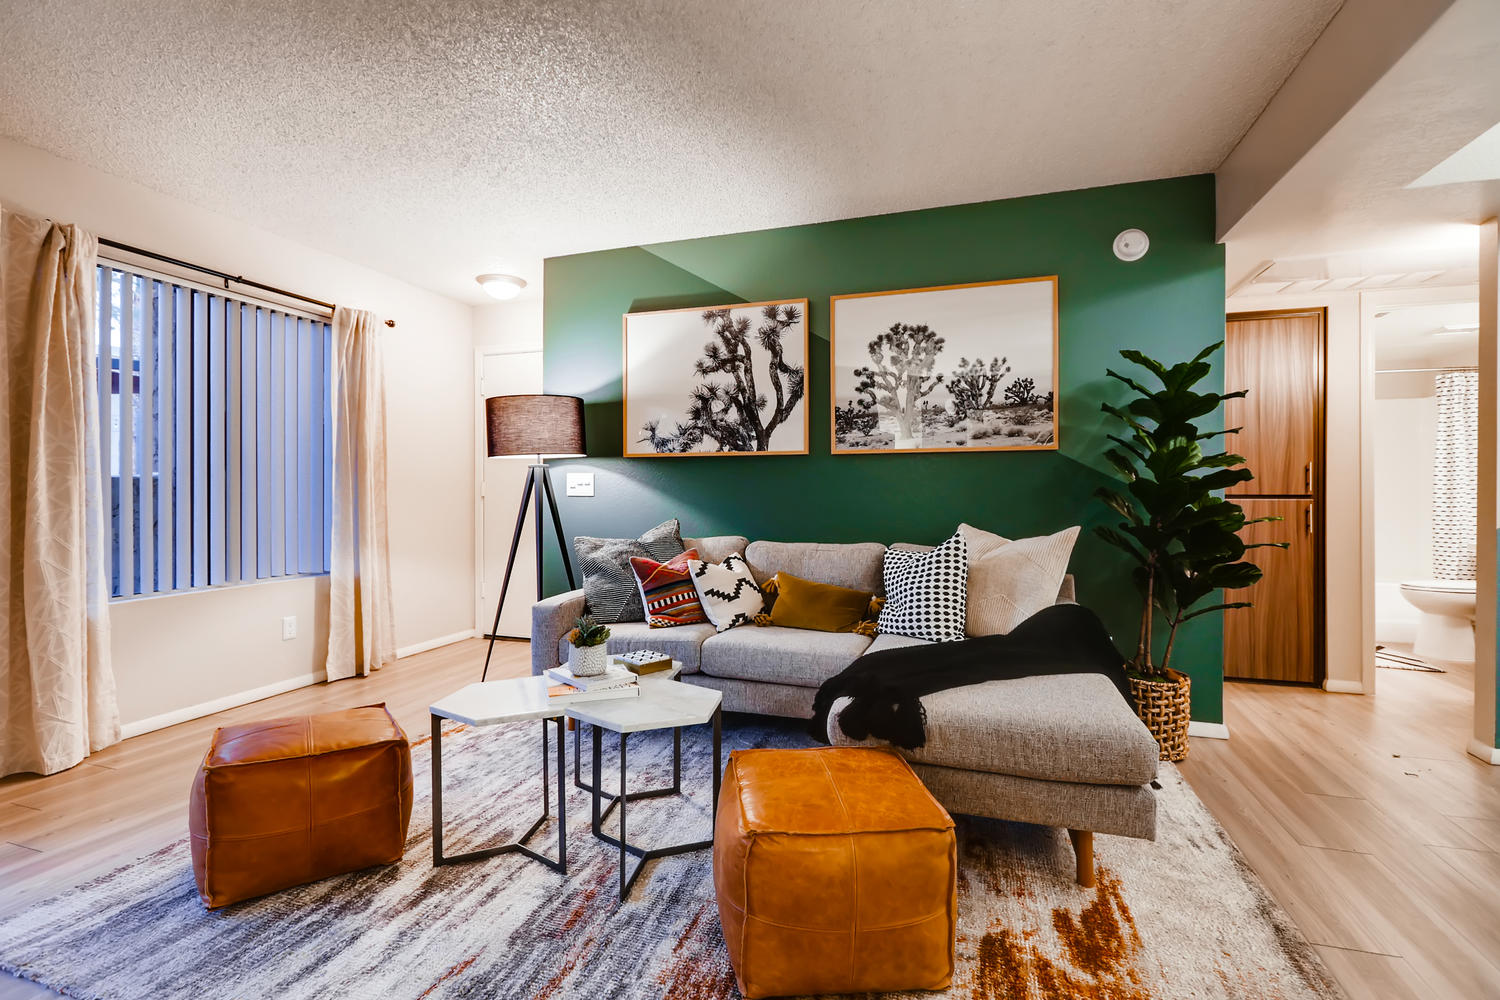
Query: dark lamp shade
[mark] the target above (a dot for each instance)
(547, 426)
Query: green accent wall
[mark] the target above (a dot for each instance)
(1169, 304)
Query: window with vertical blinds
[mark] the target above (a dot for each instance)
(215, 435)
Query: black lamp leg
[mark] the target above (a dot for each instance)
(510, 562)
(539, 476)
(562, 543)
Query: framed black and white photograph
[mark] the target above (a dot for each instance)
(950, 368)
(722, 380)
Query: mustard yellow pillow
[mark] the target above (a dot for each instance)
(821, 607)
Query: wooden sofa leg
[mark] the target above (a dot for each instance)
(1083, 851)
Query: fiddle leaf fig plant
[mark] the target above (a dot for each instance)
(1181, 533)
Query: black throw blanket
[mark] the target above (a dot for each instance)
(886, 685)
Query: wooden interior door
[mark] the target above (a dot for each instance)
(1275, 639)
(1279, 358)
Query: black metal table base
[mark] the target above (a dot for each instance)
(622, 843)
(517, 846)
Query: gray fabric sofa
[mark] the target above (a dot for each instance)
(1061, 751)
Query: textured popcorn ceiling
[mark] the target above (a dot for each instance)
(437, 140)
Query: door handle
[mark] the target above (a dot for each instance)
(1307, 478)
(1309, 518)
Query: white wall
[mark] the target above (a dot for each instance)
(511, 326)
(175, 652)
(1405, 430)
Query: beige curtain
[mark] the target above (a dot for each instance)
(361, 626)
(57, 690)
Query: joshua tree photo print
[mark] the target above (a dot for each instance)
(727, 380)
(958, 367)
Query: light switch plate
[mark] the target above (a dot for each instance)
(580, 484)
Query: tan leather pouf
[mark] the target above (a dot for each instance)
(288, 801)
(836, 872)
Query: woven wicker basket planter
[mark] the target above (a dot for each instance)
(1165, 707)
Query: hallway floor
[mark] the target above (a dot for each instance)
(1370, 824)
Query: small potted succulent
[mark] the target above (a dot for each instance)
(587, 656)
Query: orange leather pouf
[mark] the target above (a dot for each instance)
(288, 801)
(836, 872)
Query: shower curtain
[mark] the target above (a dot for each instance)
(1455, 476)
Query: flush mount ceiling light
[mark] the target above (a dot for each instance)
(501, 286)
(1131, 244)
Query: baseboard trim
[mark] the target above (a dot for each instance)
(1485, 752)
(1335, 686)
(1208, 730)
(443, 640)
(155, 722)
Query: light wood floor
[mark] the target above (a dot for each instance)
(1371, 825)
(1364, 816)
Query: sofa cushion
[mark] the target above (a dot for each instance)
(609, 587)
(821, 607)
(1011, 580)
(681, 643)
(1070, 727)
(926, 592)
(728, 591)
(780, 655)
(717, 548)
(667, 591)
(855, 565)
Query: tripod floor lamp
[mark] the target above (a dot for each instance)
(544, 427)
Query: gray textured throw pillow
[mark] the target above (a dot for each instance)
(610, 593)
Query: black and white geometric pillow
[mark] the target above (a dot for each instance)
(610, 592)
(729, 594)
(926, 592)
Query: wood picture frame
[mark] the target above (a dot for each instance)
(686, 373)
(1002, 339)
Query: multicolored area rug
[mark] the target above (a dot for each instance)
(1181, 917)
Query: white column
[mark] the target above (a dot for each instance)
(1485, 661)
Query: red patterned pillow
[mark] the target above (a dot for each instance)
(667, 591)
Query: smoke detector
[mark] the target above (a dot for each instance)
(1132, 244)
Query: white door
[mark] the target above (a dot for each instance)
(503, 480)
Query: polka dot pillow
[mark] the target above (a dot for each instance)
(926, 592)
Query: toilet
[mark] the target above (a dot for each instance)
(1445, 632)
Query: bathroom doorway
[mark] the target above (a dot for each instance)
(1422, 432)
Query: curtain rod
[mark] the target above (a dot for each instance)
(223, 276)
(1418, 371)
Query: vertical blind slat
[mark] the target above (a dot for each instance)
(289, 444)
(327, 447)
(200, 439)
(146, 444)
(182, 469)
(232, 442)
(304, 445)
(263, 468)
(104, 313)
(248, 513)
(315, 439)
(214, 406)
(125, 393)
(165, 379)
(275, 445)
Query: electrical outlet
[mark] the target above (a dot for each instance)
(289, 627)
(580, 484)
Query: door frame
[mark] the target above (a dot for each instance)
(484, 609)
(1319, 483)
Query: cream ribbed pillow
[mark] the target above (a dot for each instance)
(1009, 581)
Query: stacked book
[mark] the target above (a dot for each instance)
(615, 682)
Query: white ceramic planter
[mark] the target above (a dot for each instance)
(587, 661)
